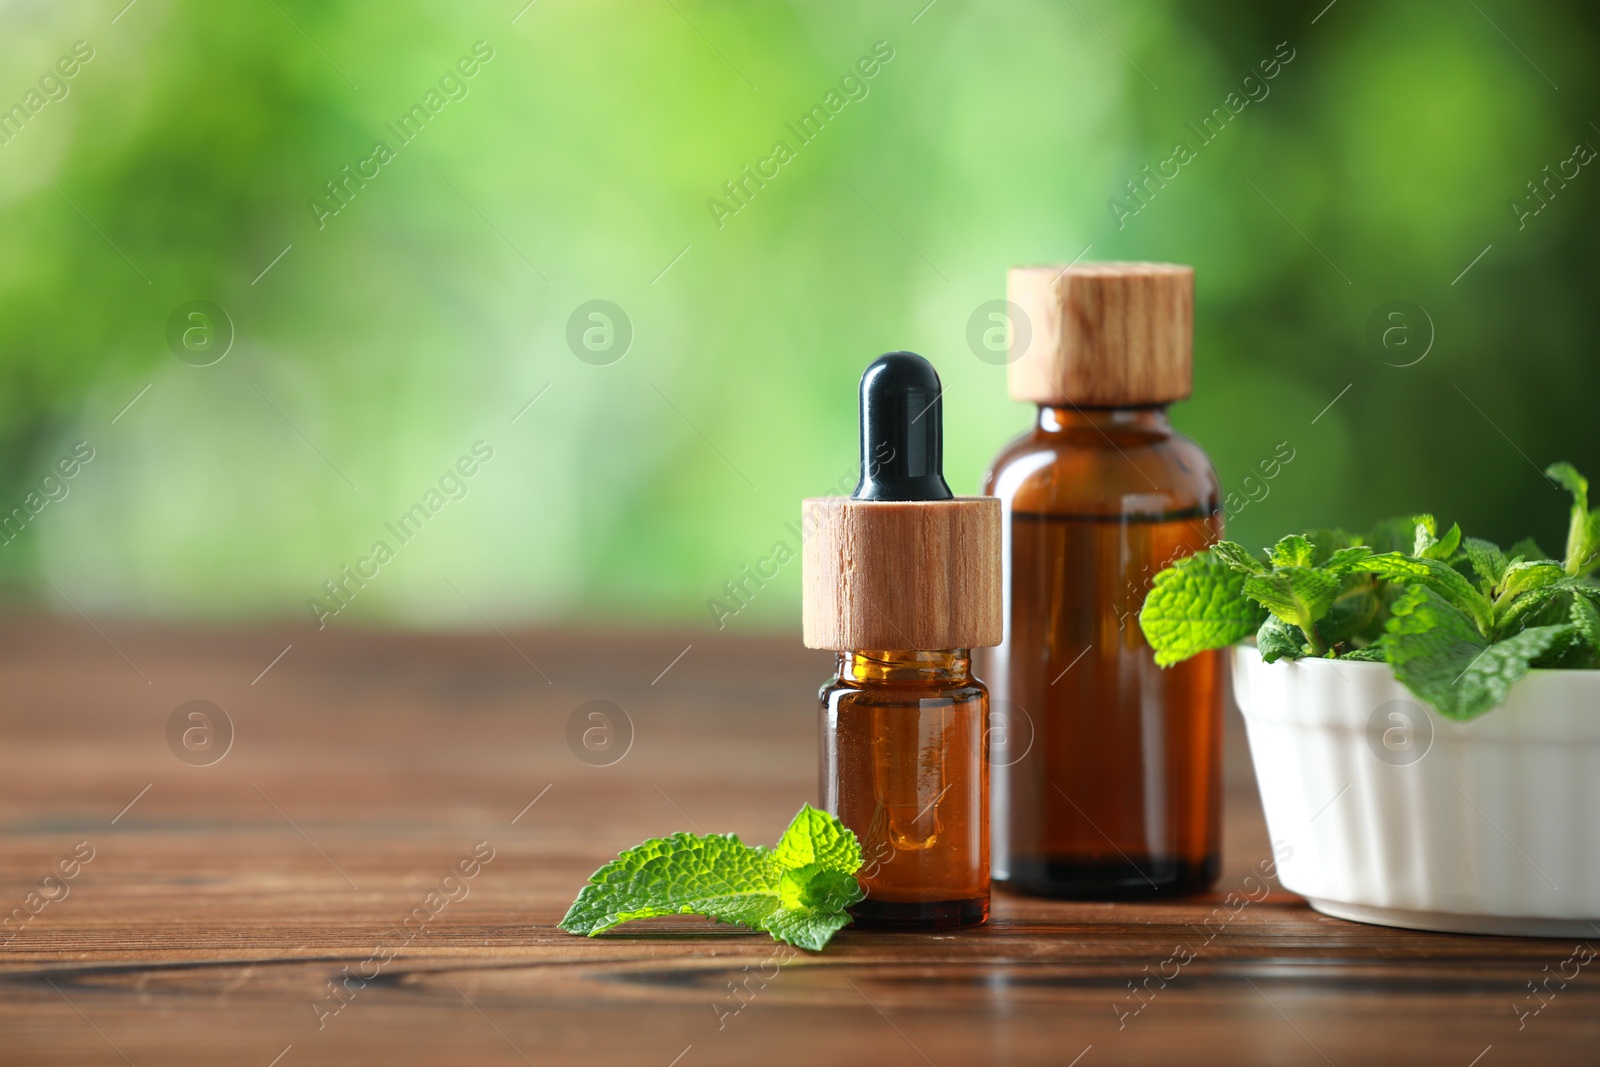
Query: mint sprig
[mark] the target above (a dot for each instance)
(797, 891)
(1458, 619)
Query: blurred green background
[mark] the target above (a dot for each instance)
(373, 347)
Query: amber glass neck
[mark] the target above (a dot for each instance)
(1064, 419)
(950, 666)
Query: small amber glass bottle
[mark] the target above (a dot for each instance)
(1110, 783)
(902, 580)
(902, 763)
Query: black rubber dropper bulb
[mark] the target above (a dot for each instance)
(902, 431)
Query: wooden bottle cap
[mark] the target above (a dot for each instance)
(911, 575)
(1102, 334)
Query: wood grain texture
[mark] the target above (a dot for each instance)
(222, 902)
(901, 575)
(1102, 334)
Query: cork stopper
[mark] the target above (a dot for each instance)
(1103, 334)
(902, 575)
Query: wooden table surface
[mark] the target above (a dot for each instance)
(222, 900)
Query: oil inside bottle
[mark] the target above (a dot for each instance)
(903, 764)
(909, 823)
(1117, 793)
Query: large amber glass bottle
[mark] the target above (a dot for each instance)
(1108, 783)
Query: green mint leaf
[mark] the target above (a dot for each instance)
(1278, 640)
(1423, 534)
(1530, 575)
(1438, 653)
(1446, 546)
(1487, 561)
(1297, 595)
(1567, 476)
(1583, 540)
(1346, 560)
(1195, 605)
(1427, 545)
(715, 875)
(1238, 557)
(1527, 575)
(1568, 650)
(1370, 654)
(798, 891)
(1590, 558)
(1508, 660)
(1293, 551)
(1587, 621)
(1439, 576)
(1582, 650)
(1527, 592)
(815, 837)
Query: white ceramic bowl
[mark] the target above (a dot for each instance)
(1394, 814)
